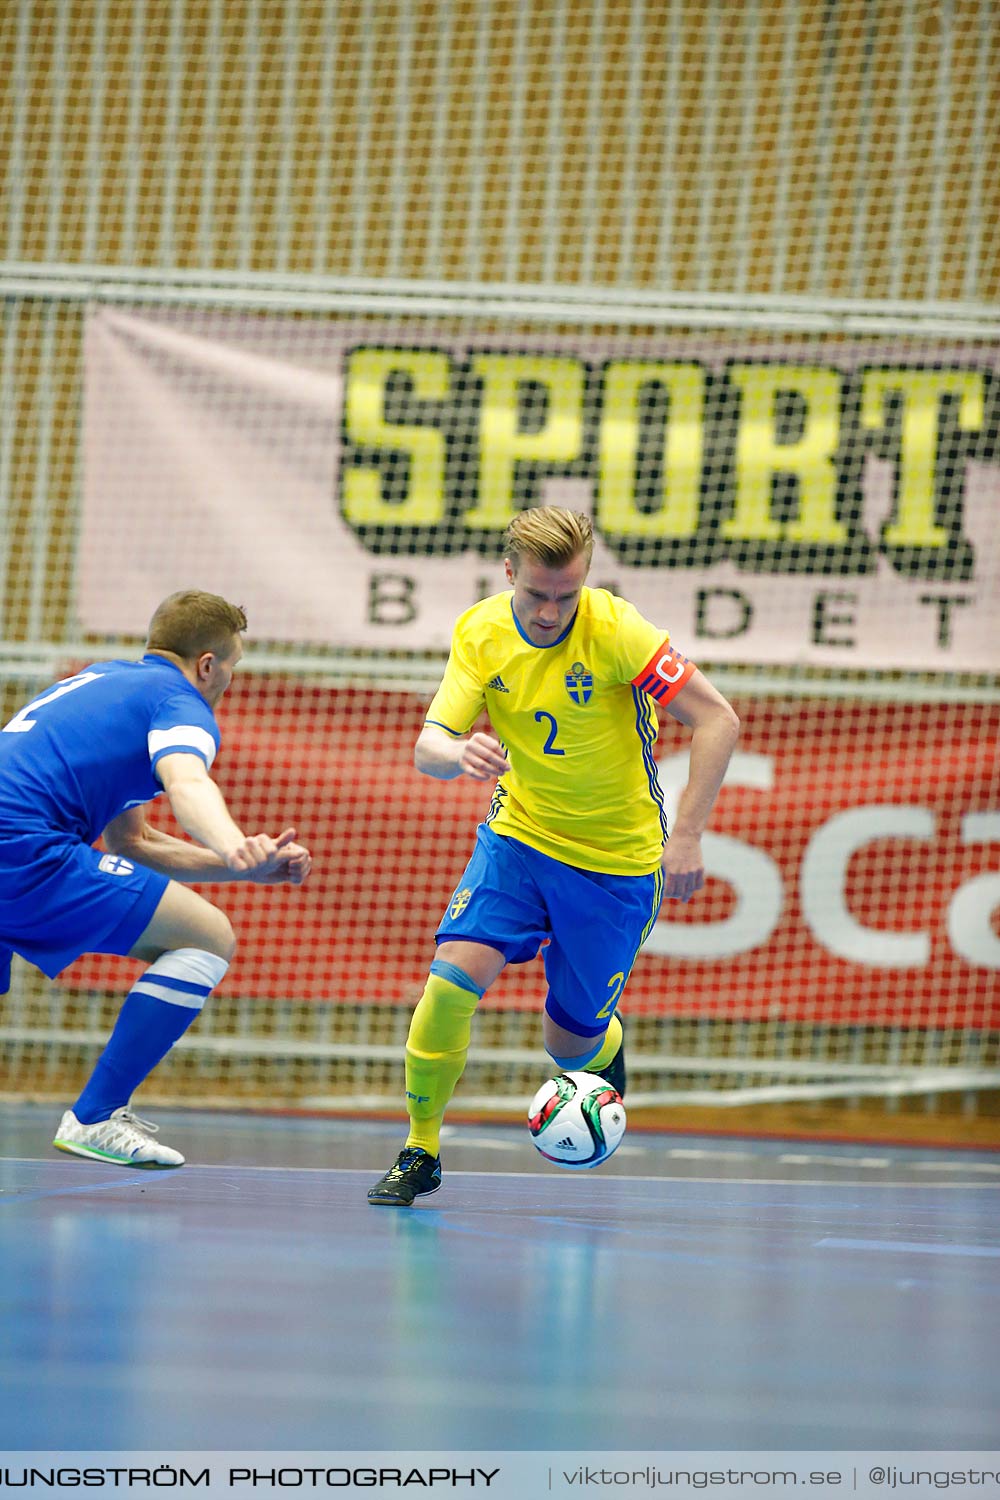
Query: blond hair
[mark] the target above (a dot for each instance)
(549, 535)
(191, 622)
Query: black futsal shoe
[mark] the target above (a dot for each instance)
(414, 1174)
(614, 1071)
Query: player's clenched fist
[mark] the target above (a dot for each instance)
(482, 757)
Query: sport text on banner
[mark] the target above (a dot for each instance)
(828, 504)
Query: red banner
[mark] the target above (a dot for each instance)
(853, 863)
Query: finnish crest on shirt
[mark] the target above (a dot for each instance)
(579, 682)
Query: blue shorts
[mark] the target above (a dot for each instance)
(514, 899)
(60, 898)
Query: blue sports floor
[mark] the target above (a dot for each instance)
(695, 1293)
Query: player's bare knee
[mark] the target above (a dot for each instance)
(568, 1050)
(481, 963)
(212, 932)
(222, 939)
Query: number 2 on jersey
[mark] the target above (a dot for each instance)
(550, 747)
(22, 721)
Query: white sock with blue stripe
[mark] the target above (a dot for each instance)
(158, 1009)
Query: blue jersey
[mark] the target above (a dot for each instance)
(87, 748)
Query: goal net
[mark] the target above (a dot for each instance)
(305, 301)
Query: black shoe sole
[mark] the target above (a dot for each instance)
(384, 1201)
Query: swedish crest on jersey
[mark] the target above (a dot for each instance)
(579, 682)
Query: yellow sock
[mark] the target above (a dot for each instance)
(436, 1049)
(609, 1047)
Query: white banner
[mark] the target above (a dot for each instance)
(776, 503)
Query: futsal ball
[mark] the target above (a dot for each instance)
(576, 1120)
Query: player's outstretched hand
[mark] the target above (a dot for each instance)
(683, 869)
(290, 866)
(266, 861)
(481, 757)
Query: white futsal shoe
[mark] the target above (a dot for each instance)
(124, 1140)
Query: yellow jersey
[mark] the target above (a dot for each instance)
(578, 724)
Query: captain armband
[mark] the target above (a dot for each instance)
(664, 674)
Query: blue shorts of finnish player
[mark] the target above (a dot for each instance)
(61, 898)
(514, 899)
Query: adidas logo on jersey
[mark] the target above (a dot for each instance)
(498, 685)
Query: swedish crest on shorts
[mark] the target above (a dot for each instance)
(579, 682)
(459, 902)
